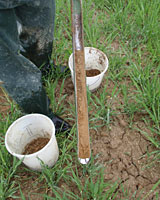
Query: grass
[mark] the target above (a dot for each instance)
(127, 32)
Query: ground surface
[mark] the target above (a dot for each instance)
(127, 107)
(121, 147)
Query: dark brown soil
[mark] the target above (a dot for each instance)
(35, 145)
(92, 72)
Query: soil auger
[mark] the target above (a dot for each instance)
(84, 152)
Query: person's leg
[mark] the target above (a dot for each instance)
(20, 77)
(37, 20)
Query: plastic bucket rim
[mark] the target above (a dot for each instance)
(103, 72)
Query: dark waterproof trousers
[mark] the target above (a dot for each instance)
(20, 54)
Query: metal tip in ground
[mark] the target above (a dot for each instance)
(84, 161)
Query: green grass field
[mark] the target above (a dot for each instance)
(128, 32)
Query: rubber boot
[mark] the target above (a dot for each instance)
(60, 124)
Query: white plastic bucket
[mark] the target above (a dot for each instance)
(94, 59)
(26, 129)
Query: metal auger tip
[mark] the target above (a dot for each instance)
(84, 161)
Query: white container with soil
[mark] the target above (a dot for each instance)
(32, 138)
(96, 64)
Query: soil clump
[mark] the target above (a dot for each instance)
(35, 145)
(92, 72)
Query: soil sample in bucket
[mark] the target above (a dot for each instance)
(92, 72)
(35, 145)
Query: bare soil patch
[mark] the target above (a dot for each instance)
(123, 151)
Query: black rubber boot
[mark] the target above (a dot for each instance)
(60, 124)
